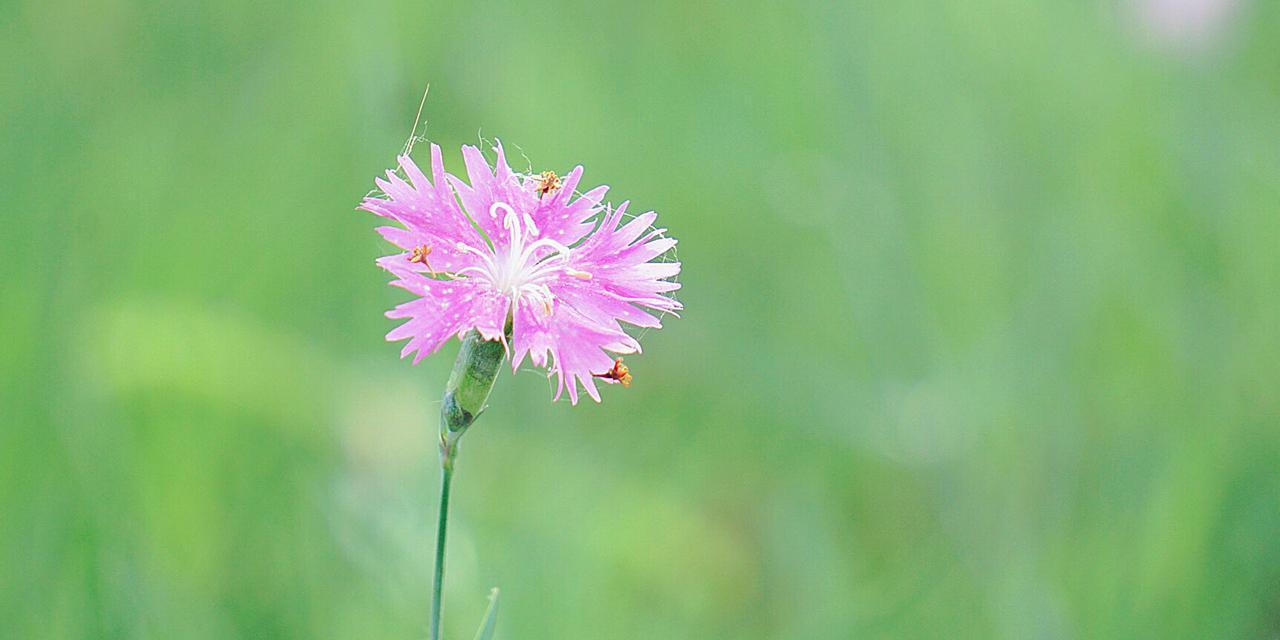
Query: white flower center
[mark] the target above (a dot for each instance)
(519, 273)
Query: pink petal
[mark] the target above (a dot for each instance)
(568, 343)
(489, 188)
(621, 277)
(429, 213)
(443, 308)
(562, 216)
(610, 280)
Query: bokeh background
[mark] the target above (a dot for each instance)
(982, 335)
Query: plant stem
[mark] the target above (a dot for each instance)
(437, 585)
(464, 400)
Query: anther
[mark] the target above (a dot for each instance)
(547, 182)
(581, 275)
(419, 255)
(619, 373)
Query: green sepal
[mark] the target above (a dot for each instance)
(468, 388)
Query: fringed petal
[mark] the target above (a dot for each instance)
(442, 309)
(429, 214)
(569, 344)
(488, 188)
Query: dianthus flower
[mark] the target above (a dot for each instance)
(525, 254)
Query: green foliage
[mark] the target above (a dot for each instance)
(980, 341)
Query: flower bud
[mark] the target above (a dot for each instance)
(468, 388)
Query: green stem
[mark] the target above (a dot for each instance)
(464, 400)
(437, 585)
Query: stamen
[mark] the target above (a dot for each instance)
(561, 250)
(538, 293)
(466, 248)
(479, 271)
(546, 183)
(581, 275)
(544, 269)
(419, 255)
(519, 272)
(619, 373)
(493, 211)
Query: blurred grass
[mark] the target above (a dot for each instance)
(981, 336)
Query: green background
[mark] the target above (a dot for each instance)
(982, 329)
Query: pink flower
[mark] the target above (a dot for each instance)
(562, 268)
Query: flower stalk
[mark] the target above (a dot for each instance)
(465, 395)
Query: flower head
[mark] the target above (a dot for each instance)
(561, 269)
